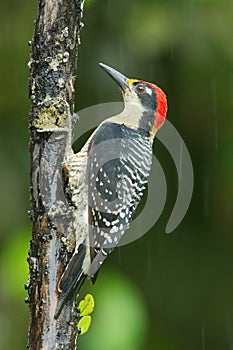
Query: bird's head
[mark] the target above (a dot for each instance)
(148, 101)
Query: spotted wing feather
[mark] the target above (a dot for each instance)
(119, 163)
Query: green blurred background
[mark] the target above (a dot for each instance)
(162, 292)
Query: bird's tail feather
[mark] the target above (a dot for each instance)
(71, 280)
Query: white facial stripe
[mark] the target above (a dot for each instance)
(148, 90)
(132, 113)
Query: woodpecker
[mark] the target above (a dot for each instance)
(106, 179)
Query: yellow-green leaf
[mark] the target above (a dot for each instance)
(84, 324)
(86, 306)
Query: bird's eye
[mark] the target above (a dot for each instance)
(140, 88)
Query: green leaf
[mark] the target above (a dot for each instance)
(86, 306)
(84, 324)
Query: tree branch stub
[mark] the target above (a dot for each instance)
(53, 61)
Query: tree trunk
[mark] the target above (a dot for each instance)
(53, 60)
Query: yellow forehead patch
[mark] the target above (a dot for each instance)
(131, 81)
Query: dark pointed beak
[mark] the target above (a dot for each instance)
(119, 78)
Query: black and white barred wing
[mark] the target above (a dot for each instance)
(118, 169)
